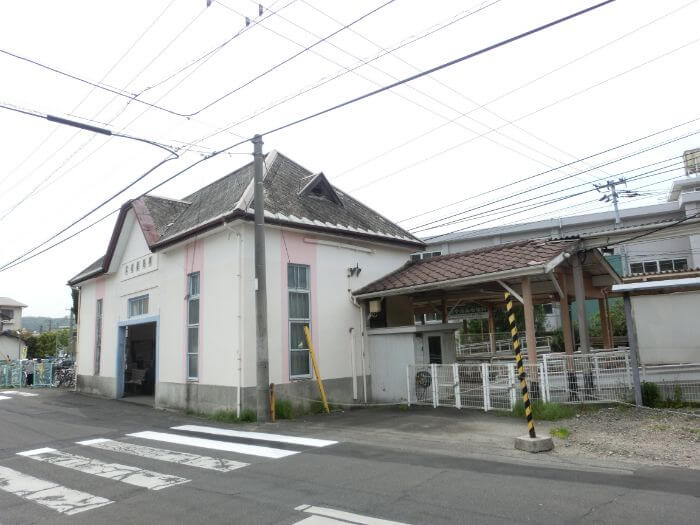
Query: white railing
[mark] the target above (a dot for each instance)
(600, 377)
(466, 349)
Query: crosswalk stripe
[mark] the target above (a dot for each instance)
(227, 446)
(124, 473)
(171, 456)
(321, 520)
(348, 516)
(48, 494)
(18, 393)
(293, 440)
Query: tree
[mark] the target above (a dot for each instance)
(617, 320)
(45, 345)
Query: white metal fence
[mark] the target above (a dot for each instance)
(601, 377)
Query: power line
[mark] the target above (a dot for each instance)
(508, 207)
(325, 80)
(530, 177)
(322, 112)
(534, 206)
(549, 183)
(526, 115)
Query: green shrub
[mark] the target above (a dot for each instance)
(284, 409)
(545, 411)
(651, 395)
(560, 432)
(248, 416)
(225, 416)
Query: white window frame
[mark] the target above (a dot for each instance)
(143, 301)
(99, 305)
(304, 321)
(193, 295)
(677, 264)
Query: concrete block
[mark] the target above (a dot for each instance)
(538, 444)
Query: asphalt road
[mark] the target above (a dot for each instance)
(136, 468)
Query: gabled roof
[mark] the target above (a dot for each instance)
(478, 265)
(7, 301)
(294, 196)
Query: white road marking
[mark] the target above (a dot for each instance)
(19, 393)
(321, 520)
(124, 473)
(48, 494)
(181, 458)
(251, 450)
(349, 516)
(279, 438)
(4, 397)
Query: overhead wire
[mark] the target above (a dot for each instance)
(82, 100)
(429, 224)
(323, 112)
(522, 117)
(541, 173)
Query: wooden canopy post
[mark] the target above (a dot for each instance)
(605, 330)
(492, 328)
(530, 336)
(567, 331)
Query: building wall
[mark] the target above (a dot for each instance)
(666, 327)
(227, 339)
(16, 323)
(10, 348)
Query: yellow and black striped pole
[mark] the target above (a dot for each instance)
(519, 364)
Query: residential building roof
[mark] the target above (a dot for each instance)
(294, 197)
(7, 301)
(482, 262)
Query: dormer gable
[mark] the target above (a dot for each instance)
(319, 187)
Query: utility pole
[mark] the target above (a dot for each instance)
(614, 196)
(261, 358)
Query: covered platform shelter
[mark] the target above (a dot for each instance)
(534, 271)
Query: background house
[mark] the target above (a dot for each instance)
(169, 312)
(10, 314)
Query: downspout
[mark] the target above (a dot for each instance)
(362, 350)
(78, 316)
(239, 319)
(352, 363)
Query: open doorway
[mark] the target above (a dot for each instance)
(140, 362)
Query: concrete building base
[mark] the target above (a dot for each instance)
(536, 444)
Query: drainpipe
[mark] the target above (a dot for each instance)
(239, 319)
(352, 363)
(362, 348)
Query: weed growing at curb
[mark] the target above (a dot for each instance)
(545, 411)
(560, 432)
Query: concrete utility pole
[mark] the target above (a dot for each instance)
(634, 349)
(614, 197)
(261, 358)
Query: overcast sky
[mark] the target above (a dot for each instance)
(481, 124)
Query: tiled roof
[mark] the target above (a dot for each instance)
(287, 201)
(483, 261)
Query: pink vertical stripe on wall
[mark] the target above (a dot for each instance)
(194, 258)
(300, 252)
(100, 286)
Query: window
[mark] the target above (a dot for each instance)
(193, 326)
(7, 314)
(138, 306)
(424, 255)
(299, 316)
(680, 264)
(650, 267)
(665, 265)
(98, 335)
(547, 309)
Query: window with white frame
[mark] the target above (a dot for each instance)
(193, 326)
(98, 335)
(424, 255)
(663, 265)
(299, 317)
(138, 306)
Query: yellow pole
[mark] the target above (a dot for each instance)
(313, 362)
